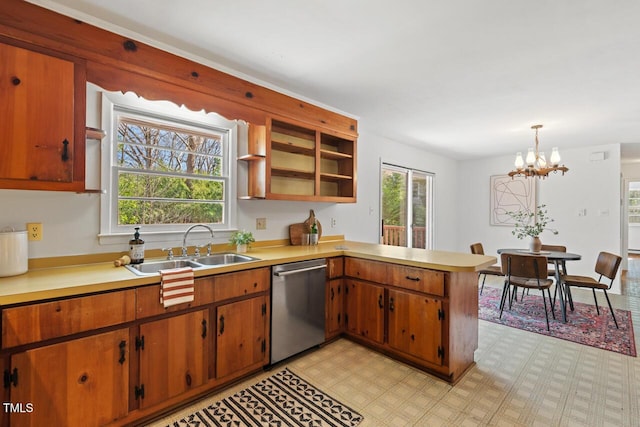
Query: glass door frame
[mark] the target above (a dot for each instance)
(429, 217)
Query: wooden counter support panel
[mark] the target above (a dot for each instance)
(462, 320)
(38, 322)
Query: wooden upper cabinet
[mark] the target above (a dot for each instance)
(39, 127)
(288, 160)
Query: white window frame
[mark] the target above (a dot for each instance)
(130, 105)
(429, 221)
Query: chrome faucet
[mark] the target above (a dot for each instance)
(186, 233)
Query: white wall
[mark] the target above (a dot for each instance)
(71, 221)
(594, 186)
(363, 219)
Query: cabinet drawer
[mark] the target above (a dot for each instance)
(417, 279)
(38, 322)
(148, 298)
(335, 267)
(363, 269)
(233, 285)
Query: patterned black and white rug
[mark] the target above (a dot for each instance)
(282, 400)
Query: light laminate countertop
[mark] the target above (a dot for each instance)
(48, 283)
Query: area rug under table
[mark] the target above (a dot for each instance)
(283, 399)
(584, 325)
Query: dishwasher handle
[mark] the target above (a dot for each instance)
(299, 270)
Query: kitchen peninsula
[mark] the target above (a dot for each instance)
(101, 330)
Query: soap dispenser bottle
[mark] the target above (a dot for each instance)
(136, 248)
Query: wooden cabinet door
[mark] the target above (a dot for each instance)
(241, 329)
(37, 116)
(82, 382)
(174, 357)
(415, 325)
(365, 310)
(334, 307)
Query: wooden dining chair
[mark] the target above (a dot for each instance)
(492, 270)
(551, 271)
(607, 266)
(528, 272)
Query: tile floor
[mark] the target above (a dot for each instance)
(519, 379)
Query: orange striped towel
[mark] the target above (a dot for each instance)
(177, 286)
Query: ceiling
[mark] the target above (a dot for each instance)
(462, 78)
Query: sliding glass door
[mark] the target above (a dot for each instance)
(406, 200)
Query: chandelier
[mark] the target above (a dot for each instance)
(536, 163)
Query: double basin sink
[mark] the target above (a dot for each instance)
(202, 262)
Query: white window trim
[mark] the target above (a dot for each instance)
(430, 220)
(173, 234)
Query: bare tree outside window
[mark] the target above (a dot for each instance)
(168, 175)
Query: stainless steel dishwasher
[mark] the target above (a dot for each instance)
(297, 307)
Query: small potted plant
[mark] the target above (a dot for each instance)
(531, 224)
(242, 239)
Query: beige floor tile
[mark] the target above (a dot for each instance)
(519, 379)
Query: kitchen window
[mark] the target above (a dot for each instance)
(166, 167)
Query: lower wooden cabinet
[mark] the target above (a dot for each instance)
(241, 336)
(118, 358)
(83, 382)
(173, 356)
(415, 325)
(364, 307)
(334, 315)
(424, 317)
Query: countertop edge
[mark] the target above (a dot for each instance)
(60, 282)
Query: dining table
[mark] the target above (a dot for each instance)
(559, 260)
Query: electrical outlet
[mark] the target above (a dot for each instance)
(333, 222)
(34, 231)
(261, 223)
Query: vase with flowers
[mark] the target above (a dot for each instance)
(532, 224)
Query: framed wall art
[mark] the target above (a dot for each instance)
(510, 195)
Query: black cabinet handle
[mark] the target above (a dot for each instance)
(391, 305)
(332, 294)
(188, 380)
(123, 346)
(16, 81)
(204, 328)
(65, 150)
(11, 378)
(380, 301)
(414, 279)
(221, 325)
